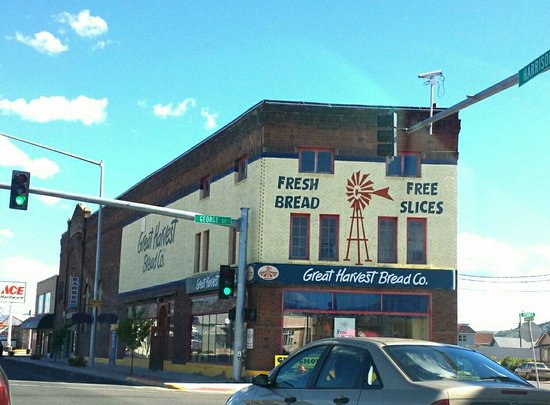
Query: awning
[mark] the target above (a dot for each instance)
(43, 321)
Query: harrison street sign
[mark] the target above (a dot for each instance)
(534, 68)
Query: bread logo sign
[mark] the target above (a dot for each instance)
(268, 273)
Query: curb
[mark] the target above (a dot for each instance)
(220, 388)
(144, 381)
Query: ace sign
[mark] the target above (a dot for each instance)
(12, 291)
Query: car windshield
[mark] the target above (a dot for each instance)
(428, 363)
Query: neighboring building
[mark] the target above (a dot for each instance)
(466, 335)
(340, 242)
(543, 347)
(16, 338)
(511, 342)
(507, 346)
(40, 326)
(484, 338)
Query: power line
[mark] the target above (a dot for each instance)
(480, 276)
(503, 281)
(501, 290)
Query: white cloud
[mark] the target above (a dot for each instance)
(25, 270)
(210, 119)
(49, 200)
(57, 108)
(43, 42)
(84, 24)
(168, 110)
(101, 45)
(6, 233)
(12, 156)
(513, 281)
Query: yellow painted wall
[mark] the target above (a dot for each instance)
(269, 225)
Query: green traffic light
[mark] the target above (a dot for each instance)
(20, 200)
(227, 291)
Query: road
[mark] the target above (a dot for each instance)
(60, 393)
(31, 385)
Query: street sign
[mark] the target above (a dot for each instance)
(95, 303)
(213, 219)
(528, 315)
(534, 68)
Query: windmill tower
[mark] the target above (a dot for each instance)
(359, 191)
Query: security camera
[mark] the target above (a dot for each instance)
(429, 74)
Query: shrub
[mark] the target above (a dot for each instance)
(78, 361)
(511, 363)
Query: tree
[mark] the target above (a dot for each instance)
(134, 330)
(58, 339)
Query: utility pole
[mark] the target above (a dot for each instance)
(98, 240)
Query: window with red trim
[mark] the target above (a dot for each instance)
(387, 239)
(205, 187)
(241, 165)
(328, 237)
(233, 246)
(416, 240)
(299, 236)
(206, 249)
(406, 164)
(196, 264)
(313, 160)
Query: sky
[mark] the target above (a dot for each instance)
(135, 84)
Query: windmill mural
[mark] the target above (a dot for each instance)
(359, 191)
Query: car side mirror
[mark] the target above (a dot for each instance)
(261, 380)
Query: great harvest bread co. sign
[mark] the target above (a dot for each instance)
(12, 291)
(357, 276)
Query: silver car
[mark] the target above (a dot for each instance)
(528, 371)
(387, 370)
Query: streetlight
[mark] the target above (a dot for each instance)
(98, 248)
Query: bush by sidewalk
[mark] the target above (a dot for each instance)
(78, 361)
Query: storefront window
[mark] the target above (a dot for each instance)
(357, 302)
(212, 339)
(312, 315)
(308, 300)
(406, 303)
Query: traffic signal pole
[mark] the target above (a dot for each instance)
(536, 67)
(238, 352)
(108, 202)
(240, 224)
(497, 88)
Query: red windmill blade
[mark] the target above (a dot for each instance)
(359, 190)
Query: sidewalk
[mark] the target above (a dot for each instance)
(141, 376)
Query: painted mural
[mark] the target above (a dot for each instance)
(360, 191)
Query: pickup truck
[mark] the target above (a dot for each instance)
(527, 371)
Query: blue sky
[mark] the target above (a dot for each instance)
(137, 83)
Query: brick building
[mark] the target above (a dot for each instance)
(340, 242)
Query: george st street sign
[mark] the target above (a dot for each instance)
(213, 219)
(534, 68)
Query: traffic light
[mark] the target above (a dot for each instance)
(387, 134)
(226, 282)
(19, 192)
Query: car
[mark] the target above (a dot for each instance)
(528, 372)
(358, 370)
(5, 396)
